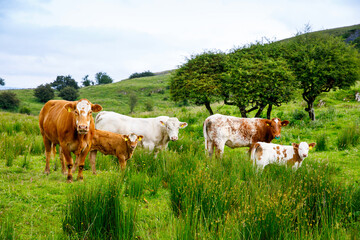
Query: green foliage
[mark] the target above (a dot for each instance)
(315, 60)
(149, 106)
(44, 93)
(321, 142)
(258, 76)
(348, 137)
(133, 99)
(99, 212)
(8, 100)
(103, 78)
(64, 81)
(86, 81)
(199, 79)
(142, 74)
(7, 230)
(69, 93)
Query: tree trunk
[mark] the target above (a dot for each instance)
(258, 113)
(310, 110)
(242, 111)
(208, 107)
(268, 113)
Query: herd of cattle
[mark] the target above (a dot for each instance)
(71, 126)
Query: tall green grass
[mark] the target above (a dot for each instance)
(348, 137)
(98, 211)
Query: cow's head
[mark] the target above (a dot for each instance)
(82, 110)
(275, 125)
(303, 149)
(132, 140)
(172, 126)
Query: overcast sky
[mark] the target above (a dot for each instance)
(41, 39)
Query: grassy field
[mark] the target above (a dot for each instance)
(182, 194)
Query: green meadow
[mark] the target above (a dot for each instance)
(181, 193)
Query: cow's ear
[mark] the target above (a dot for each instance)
(140, 137)
(70, 106)
(311, 145)
(295, 145)
(183, 125)
(162, 123)
(126, 137)
(284, 123)
(96, 107)
(268, 122)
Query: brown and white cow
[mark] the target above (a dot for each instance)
(71, 125)
(109, 143)
(263, 154)
(220, 130)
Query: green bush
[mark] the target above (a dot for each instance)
(44, 93)
(321, 143)
(69, 93)
(149, 106)
(25, 110)
(348, 137)
(142, 74)
(8, 100)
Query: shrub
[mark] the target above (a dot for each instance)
(44, 93)
(143, 74)
(132, 101)
(62, 82)
(25, 110)
(321, 143)
(69, 93)
(348, 137)
(103, 78)
(149, 106)
(8, 100)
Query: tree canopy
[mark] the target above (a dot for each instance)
(44, 93)
(103, 78)
(199, 79)
(64, 81)
(2, 81)
(322, 63)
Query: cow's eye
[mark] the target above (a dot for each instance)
(90, 112)
(76, 112)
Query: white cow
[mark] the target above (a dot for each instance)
(263, 154)
(157, 131)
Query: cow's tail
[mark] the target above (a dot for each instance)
(206, 124)
(253, 151)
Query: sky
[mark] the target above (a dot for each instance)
(42, 39)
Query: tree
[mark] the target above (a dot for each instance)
(257, 76)
(143, 74)
(102, 78)
(322, 63)
(64, 81)
(8, 100)
(44, 93)
(132, 101)
(69, 93)
(2, 81)
(199, 79)
(86, 81)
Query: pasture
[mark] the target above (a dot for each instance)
(182, 194)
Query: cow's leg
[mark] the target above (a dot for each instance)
(92, 159)
(219, 149)
(76, 164)
(81, 159)
(122, 161)
(69, 161)
(209, 147)
(48, 149)
(62, 161)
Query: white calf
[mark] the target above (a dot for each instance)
(263, 154)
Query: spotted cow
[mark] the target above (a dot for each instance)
(220, 130)
(263, 154)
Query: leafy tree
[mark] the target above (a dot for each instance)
(2, 81)
(69, 93)
(199, 79)
(257, 76)
(44, 93)
(102, 78)
(322, 63)
(86, 81)
(8, 100)
(142, 74)
(132, 101)
(64, 81)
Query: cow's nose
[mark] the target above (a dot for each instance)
(304, 155)
(174, 138)
(83, 128)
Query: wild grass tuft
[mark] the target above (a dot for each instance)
(99, 211)
(321, 142)
(348, 137)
